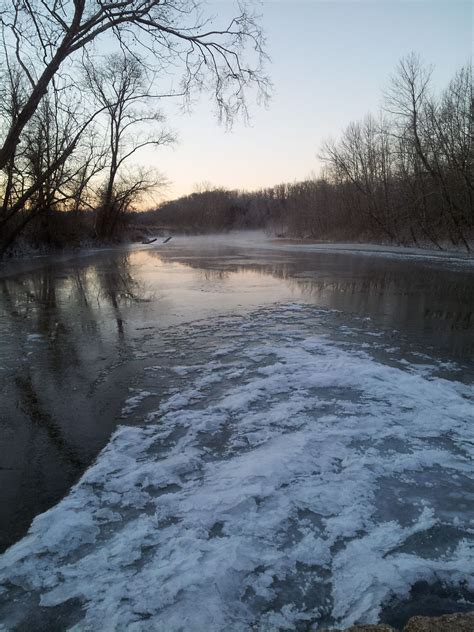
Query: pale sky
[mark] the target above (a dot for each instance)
(330, 61)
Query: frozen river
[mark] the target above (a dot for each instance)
(287, 437)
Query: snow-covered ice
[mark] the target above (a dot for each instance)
(133, 402)
(293, 477)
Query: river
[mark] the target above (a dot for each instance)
(286, 435)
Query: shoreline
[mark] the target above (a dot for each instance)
(454, 622)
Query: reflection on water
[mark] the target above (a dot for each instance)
(74, 334)
(60, 330)
(412, 296)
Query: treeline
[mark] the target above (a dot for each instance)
(210, 210)
(405, 176)
(73, 120)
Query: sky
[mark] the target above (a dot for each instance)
(330, 62)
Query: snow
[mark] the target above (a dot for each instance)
(133, 402)
(291, 478)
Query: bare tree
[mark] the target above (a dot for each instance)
(120, 89)
(451, 137)
(44, 168)
(12, 94)
(362, 158)
(410, 101)
(47, 37)
(405, 176)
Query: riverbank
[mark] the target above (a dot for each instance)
(375, 249)
(446, 248)
(460, 622)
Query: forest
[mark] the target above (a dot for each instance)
(80, 87)
(403, 177)
(73, 121)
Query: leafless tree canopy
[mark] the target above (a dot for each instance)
(404, 176)
(45, 36)
(166, 47)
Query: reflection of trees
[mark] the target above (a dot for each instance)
(402, 291)
(82, 289)
(117, 286)
(33, 301)
(214, 275)
(30, 403)
(55, 341)
(59, 307)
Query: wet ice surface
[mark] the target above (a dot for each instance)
(299, 469)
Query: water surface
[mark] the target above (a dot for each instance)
(70, 331)
(304, 369)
